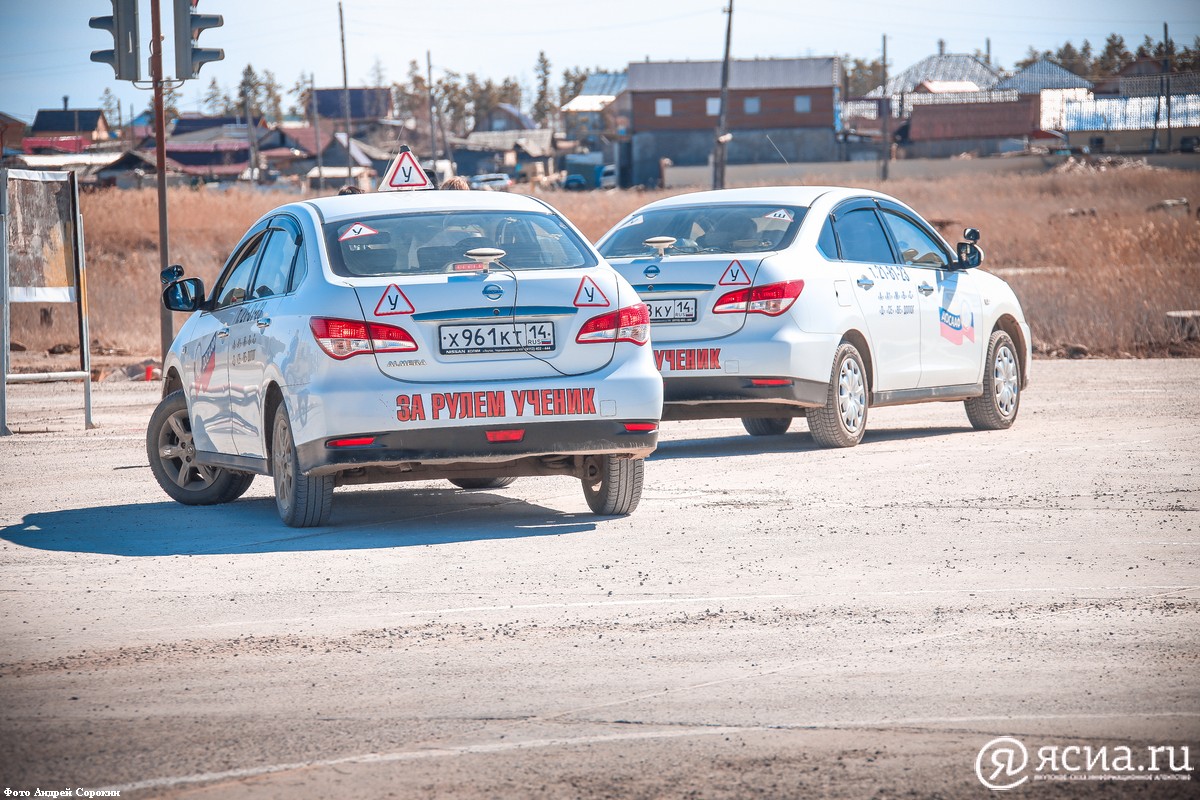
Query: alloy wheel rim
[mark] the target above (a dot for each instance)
(1004, 379)
(852, 400)
(177, 454)
(284, 479)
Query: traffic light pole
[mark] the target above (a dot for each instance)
(166, 324)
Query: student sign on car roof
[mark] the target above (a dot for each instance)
(404, 174)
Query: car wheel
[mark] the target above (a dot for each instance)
(304, 501)
(172, 454)
(766, 426)
(613, 486)
(997, 408)
(482, 483)
(843, 419)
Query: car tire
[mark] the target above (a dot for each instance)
(613, 486)
(303, 501)
(482, 483)
(766, 426)
(997, 408)
(172, 454)
(843, 419)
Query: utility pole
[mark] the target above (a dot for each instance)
(166, 325)
(433, 148)
(252, 140)
(312, 88)
(1166, 68)
(346, 98)
(885, 110)
(722, 138)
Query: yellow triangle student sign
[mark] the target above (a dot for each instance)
(404, 174)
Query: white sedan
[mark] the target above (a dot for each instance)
(400, 336)
(771, 303)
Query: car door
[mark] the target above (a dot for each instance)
(886, 294)
(208, 351)
(950, 310)
(253, 342)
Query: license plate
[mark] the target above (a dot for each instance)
(681, 309)
(497, 337)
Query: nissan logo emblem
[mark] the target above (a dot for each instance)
(651, 272)
(493, 292)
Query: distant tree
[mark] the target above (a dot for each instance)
(248, 92)
(270, 97)
(1113, 58)
(1072, 60)
(171, 98)
(299, 91)
(862, 76)
(1032, 56)
(543, 103)
(573, 79)
(111, 107)
(1188, 59)
(215, 100)
(378, 75)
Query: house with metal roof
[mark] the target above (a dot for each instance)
(89, 123)
(1043, 75)
(778, 110)
(600, 108)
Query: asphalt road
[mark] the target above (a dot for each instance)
(774, 620)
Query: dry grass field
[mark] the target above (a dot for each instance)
(1101, 279)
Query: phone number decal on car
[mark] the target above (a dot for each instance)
(481, 405)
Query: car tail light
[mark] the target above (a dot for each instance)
(640, 427)
(510, 435)
(629, 324)
(343, 338)
(772, 299)
(770, 382)
(358, 441)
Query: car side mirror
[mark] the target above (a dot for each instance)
(184, 295)
(171, 273)
(969, 255)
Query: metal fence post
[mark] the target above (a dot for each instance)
(4, 327)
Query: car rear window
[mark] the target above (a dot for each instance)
(708, 229)
(435, 242)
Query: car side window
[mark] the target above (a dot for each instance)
(300, 270)
(275, 266)
(234, 285)
(827, 242)
(917, 248)
(862, 237)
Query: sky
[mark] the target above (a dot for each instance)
(45, 47)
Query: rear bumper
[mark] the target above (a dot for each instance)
(468, 446)
(739, 396)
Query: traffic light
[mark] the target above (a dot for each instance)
(188, 25)
(123, 25)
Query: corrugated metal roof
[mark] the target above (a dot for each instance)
(73, 119)
(536, 143)
(604, 83)
(950, 67)
(1131, 113)
(1043, 74)
(774, 73)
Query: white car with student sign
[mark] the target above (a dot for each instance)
(400, 336)
(771, 303)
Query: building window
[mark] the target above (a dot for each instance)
(712, 106)
(751, 105)
(803, 104)
(662, 107)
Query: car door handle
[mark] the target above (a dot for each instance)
(264, 322)
(224, 332)
(925, 289)
(865, 283)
